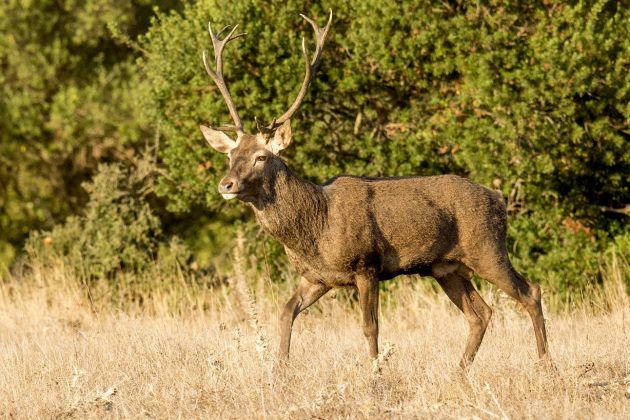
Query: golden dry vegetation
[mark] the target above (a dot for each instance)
(64, 356)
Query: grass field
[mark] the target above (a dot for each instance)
(62, 356)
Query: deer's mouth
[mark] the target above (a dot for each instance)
(229, 196)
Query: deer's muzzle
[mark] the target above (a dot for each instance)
(229, 188)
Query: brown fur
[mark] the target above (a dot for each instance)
(356, 231)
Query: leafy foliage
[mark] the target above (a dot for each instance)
(530, 99)
(118, 230)
(534, 95)
(68, 92)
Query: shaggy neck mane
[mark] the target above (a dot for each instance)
(292, 210)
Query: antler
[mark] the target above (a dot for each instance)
(217, 75)
(310, 65)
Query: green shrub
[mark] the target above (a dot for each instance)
(532, 99)
(116, 233)
(68, 101)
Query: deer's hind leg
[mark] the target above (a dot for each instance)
(500, 272)
(460, 290)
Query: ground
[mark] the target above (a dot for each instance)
(59, 357)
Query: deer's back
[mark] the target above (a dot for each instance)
(404, 225)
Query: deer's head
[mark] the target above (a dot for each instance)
(254, 158)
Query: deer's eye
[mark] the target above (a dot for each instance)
(261, 158)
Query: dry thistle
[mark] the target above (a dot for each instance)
(237, 281)
(105, 397)
(215, 368)
(77, 374)
(247, 301)
(388, 350)
(328, 395)
(261, 337)
(237, 340)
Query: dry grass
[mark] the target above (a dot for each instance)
(59, 358)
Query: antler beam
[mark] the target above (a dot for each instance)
(310, 66)
(217, 74)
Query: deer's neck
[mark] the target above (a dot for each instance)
(292, 210)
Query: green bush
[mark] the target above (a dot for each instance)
(532, 99)
(68, 101)
(117, 232)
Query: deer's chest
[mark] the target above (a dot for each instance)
(335, 261)
(317, 270)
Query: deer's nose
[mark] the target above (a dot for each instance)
(228, 186)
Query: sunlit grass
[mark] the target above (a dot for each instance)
(62, 355)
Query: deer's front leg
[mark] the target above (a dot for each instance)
(368, 296)
(306, 294)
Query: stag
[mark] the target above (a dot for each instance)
(358, 231)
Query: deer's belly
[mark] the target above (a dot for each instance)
(319, 273)
(338, 266)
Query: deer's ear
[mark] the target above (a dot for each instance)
(282, 137)
(218, 139)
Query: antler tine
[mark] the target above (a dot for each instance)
(320, 34)
(220, 32)
(217, 74)
(259, 125)
(310, 67)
